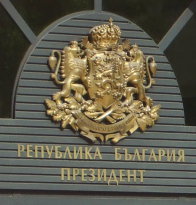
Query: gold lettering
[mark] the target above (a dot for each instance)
(112, 177)
(101, 173)
(121, 175)
(87, 153)
(21, 149)
(39, 149)
(58, 153)
(136, 155)
(78, 153)
(97, 154)
(171, 156)
(83, 175)
(29, 150)
(63, 174)
(133, 175)
(76, 172)
(49, 151)
(128, 156)
(181, 155)
(141, 175)
(92, 175)
(161, 154)
(117, 154)
(144, 154)
(67, 152)
(152, 156)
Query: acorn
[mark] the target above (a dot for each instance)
(50, 112)
(153, 68)
(52, 62)
(62, 71)
(53, 76)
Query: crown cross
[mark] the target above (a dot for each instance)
(110, 21)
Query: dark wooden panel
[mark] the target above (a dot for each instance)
(90, 23)
(54, 172)
(41, 171)
(32, 126)
(171, 121)
(101, 17)
(56, 33)
(18, 199)
(67, 136)
(55, 180)
(97, 188)
(23, 123)
(9, 150)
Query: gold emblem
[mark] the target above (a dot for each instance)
(103, 86)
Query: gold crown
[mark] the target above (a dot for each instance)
(106, 35)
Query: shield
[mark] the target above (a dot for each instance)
(103, 95)
(106, 83)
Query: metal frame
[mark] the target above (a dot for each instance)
(98, 5)
(19, 20)
(177, 26)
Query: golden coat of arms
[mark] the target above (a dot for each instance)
(103, 86)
